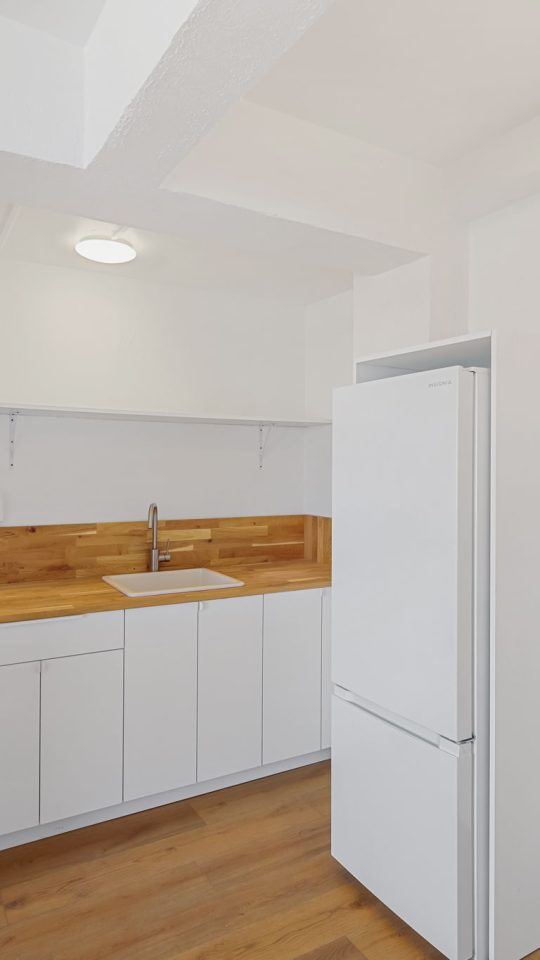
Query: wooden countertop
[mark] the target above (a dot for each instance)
(63, 598)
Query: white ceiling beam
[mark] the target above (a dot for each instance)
(273, 163)
(196, 219)
(125, 47)
(217, 52)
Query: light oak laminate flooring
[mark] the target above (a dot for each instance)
(241, 874)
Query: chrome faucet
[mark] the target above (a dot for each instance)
(155, 556)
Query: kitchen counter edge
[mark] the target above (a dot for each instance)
(64, 598)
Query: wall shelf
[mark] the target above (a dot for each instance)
(263, 425)
(21, 409)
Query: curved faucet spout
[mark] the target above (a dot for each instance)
(153, 523)
(155, 554)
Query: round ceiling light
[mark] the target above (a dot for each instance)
(103, 250)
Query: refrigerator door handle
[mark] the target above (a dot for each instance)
(407, 726)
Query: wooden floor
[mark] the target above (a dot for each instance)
(243, 874)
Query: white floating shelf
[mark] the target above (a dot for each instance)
(22, 409)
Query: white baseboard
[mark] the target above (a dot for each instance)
(158, 800)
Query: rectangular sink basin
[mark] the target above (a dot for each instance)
(171, 581)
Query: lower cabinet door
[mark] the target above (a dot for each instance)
(230, 686)
(160, 731)
(402, 823)
(292, 674)
(81, 734)
(19, 746)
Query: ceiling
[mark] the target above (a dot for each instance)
(47, 237)
(69, 20)
(432, 79)
(290, 204)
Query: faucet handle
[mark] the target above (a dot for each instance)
(165, 555)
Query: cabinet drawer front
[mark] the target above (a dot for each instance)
(61, 637)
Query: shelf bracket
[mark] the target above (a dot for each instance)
(263, 440)
(13, 414)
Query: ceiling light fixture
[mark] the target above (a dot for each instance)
(103, 250)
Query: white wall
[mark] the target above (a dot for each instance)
(76, 471)
(392, 309)
(41, 95)
(505, 296)
(329, 351)
(83, 338)
(89, 339)
(318, 471)
(420, 301)
(449, 282)
(329, 355)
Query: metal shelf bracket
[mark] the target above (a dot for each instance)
(263, 440)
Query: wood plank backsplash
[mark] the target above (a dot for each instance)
(71, 551)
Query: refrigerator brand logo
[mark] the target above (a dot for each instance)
(440, 383)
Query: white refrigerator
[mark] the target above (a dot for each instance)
(410, 649)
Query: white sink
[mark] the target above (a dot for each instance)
(171, 581)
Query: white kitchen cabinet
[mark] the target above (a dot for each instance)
(292, 674)
(160, 729)
(86, 724)
(19, 746)
(81, 734)
(230, 686)
(326, 664)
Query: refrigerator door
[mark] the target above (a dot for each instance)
(402, 824)
(403, 480)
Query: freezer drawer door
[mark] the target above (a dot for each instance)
(402, 824)
(402, 546)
